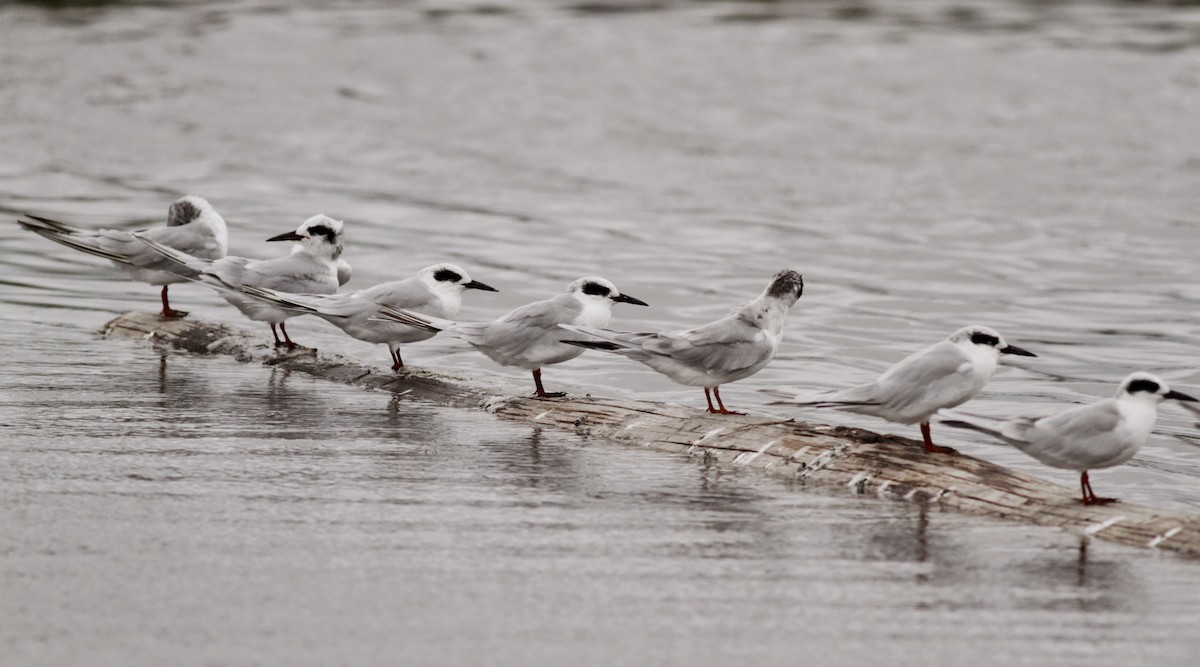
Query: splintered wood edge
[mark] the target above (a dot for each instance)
(867, 463)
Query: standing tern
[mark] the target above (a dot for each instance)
(943, 375)
(529, 336)
(731, 348)
(312, 267)
(436, 290)
(193, 227)
(1100, 435)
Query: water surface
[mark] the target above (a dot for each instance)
(1030, 166)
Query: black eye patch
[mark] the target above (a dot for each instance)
(1143, 385)
(980, 338)
(323, 230)
(596, 289)
(446, 275)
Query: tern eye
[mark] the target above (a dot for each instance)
(1149, 386)
(980, 338)
(447, 276)
(596, 289)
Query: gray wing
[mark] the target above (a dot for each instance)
(297, 273)
(179, 263)
(407, 294)
(184, 240)
(518, 330)
(123, 247)
(727, 345)
(1078, 438)
(410, 294)
(932, 376)
(1078, 425)
(194, 240)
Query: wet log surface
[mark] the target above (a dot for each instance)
(890, 467)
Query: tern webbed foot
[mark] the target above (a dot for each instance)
(539, 391)
(1096, 500)
(168, 312)
(929, 446)
(723, 411)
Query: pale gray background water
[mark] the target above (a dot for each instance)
(1028, 165)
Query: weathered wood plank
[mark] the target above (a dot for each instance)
(890, 467)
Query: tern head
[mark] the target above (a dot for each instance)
(319, 234)
(451, 278)
(196, 211)
(599, 290)
(980, 337)
(787, 286)
(189, 209)
(1145, 386)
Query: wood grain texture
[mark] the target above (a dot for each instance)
(889, 467)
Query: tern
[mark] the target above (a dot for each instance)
(193, 227)
(1103, 434)
(436, 290)
(529, 336)
(943, 375)
(732, 348)
(313, 267)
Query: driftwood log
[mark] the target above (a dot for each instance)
(890, 467)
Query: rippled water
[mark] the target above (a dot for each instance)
(1031, 166)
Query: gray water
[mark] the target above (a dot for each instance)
(1032, 166)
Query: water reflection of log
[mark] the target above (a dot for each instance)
(889, 467)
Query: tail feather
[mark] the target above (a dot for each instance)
(610, 341)
(973, 422)
(813, 401)
(72, 237)
(55, 225)
(956, 423)
(602, 334)
(405, 317)
(593, 344)
(277, 299)
(826, 404)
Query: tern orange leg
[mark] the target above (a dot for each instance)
(286, 341)
(708, 397)
(721, 404)
(397, 362)
(541, 392)
(167, 311)
(929, 446)
(1089, 496)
